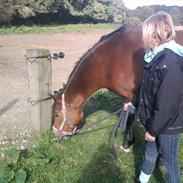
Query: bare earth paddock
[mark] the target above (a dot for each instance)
(14, 86)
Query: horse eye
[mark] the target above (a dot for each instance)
(56, 115)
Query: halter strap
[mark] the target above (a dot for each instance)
(64, 112)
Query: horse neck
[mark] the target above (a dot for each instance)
(80, 87)
(76, 96)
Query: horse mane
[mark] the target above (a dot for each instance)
(107, 36)
(103, 38)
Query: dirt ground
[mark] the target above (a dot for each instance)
(14, 86)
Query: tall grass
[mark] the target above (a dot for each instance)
(84, 158)
(56, 28)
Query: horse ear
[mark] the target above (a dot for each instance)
(61, 90)
(63, 85)
(56, 96)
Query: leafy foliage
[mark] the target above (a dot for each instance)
(6, 12)
(145, 11)
(63, 10)
(98, 11)
(20, 176)
(8, 170)
(77, 11)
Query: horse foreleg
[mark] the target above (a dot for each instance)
(128, 139)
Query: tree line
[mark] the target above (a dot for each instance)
(141, 13)
(60, 11)
(17, 12)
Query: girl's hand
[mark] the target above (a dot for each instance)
(129, 106)
(148, 137)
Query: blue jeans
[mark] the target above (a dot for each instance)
(169, 145)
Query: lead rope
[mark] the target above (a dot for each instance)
(85, 130)
(121, 124)
(123, 120)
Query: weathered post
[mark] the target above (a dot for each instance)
(40, 81)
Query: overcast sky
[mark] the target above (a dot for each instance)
(132, 4)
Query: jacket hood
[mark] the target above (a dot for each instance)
(171, 45)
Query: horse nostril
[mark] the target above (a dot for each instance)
(56, 115)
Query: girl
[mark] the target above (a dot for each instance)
(160, 97)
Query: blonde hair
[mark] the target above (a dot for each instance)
(158, 29)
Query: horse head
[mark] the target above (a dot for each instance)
(65, 117)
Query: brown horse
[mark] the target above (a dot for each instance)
(115, 62)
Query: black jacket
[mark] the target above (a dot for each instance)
(160, 97)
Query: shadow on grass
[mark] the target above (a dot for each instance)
(8, 106)
(103, 100)
(102, 168)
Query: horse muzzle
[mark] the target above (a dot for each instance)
(63, 134)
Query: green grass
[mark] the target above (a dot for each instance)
(84, 158)
(71, 28)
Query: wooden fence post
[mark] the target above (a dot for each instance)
(40, 81)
